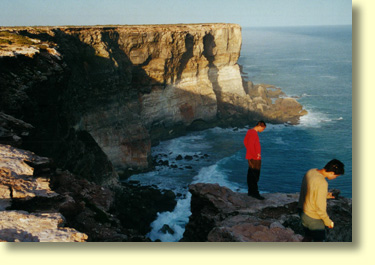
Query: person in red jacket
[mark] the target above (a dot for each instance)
(253, 156)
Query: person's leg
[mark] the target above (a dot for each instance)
(252, 181)
(253, 174)
(314, 228)
(318, 235)
(308, 236)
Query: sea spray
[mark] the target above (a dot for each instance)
(175, 221)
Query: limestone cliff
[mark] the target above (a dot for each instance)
(111, 92)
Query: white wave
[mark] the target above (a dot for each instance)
(215, 175)
(316, 119)
(313, 119)
(175, 220)
(181, 145)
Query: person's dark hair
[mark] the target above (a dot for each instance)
(335, 166)
(261, 123)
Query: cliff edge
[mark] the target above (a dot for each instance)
(121, 89)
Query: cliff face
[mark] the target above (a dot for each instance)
(150, 79)
(118, 90)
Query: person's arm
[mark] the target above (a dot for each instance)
(321, 205)
(246, 139)
(257, 147)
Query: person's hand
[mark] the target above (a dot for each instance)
(330, 196)
(331, 225)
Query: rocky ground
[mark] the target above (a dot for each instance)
(42, 203)
(39, 203)
(221, 215)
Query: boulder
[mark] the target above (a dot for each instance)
(21, 226)
(12, 130)
(18, 178)
(221, 215)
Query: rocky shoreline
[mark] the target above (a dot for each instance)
(73, 209)
(51, 205)
(40, 202)
(81, 107)
(221, 215)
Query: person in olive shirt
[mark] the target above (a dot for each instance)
(313, 200)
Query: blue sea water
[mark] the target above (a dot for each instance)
(313, 64)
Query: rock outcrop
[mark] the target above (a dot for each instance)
(33, 192)
(12, 130)
(221, 215)
(17, 182)
(39, 203)
(124, 88)
(20, 226)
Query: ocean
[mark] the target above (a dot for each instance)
(312, 64)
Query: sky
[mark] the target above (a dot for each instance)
(247, 13)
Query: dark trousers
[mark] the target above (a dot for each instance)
(253, 174)
(314, 235)
(314, 228)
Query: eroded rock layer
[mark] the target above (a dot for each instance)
(124, 88)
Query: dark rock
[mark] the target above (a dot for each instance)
(335, 193)
(179, 157)
(13, 131)
(188, 158)
(134, 182)
(81, 155)
(219, 214)
(166, 229)
(137, 206)
(163, 163)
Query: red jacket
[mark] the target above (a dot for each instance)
(252, 145)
